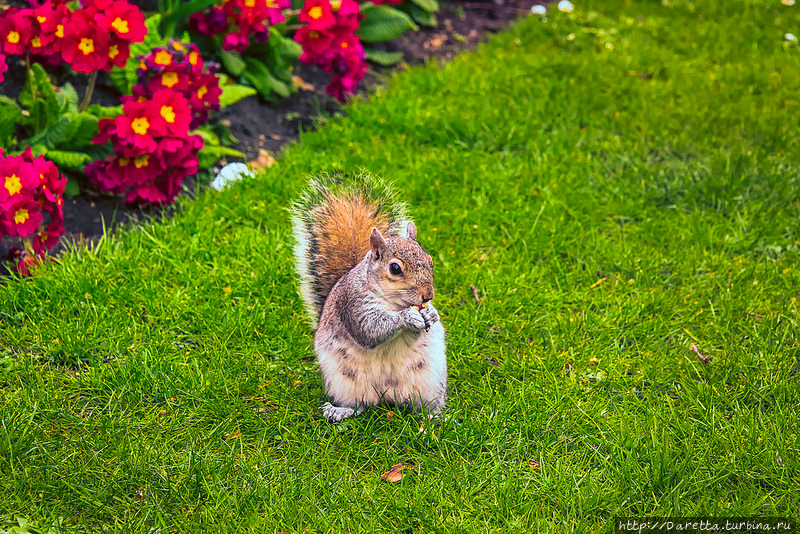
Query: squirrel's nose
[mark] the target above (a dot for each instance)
(428, 295)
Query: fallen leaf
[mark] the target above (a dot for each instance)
(299, 83)
(394, 474)
(264, 160)
(475, 293)
(234, 435)
(533, 464)
(703, 359)
(389, 415)
(493, 361)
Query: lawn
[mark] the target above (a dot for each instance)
(619, 185)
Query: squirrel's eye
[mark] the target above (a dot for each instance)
(395, 269)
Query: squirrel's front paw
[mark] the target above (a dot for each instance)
(430, 315)
(413, 319)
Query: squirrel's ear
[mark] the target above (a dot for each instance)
(411, 231)
(376, 243)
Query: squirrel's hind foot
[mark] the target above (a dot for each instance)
(334, 414)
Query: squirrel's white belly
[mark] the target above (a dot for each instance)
(410, 368)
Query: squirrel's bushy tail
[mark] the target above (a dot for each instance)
(332, 222)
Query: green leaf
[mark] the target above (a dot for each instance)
(262, 79)
(290, 50)
(68, 159)
(85, 130)
(175, 16)
(10, 115)
(67, 98)
(62, 130)
(423, 17)
(104, 112)
(209, 155)
(233, 62)
(382, 57)
(210, 139)
(383, 23)
(39, 96)
(72, 188)
(232, 92)
(431, 6)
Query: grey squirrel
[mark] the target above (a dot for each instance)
(367, 286)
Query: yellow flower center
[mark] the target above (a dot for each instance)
(315, 12)
(345, 44)
(140, 125)
(13, 37)
(163, 57)
(36, 42)
(168, 79)
(336, 4)
(60, 31)
(123, 161)
(193, 58)
(141, 161)
(86, 46)
(168, 113)
(113, 51)
(120, 25)
(13, 184)
(250, 3)
(41, 19)
(178, 46)
(271, 4)
(21, 216)
(201, 92)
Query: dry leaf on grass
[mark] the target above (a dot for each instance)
(301, 84)
(475, 293)
(703, 359)
(264, 160)
(394, 475)
(533, 464)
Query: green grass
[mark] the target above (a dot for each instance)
(615, 197)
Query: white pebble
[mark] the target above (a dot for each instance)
(539, 9)
(790, 37)
(565, 6)
(230, 173)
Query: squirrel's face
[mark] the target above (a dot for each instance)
(403, 270)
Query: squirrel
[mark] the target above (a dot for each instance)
(367, 286)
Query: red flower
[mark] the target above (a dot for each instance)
(348, 13)
(16, 27)
(126, 21)
(18, 180)
(136, 127)
(47, 238)
(235, 41)
(173, 114)
(3, 66)
(21, 218)
(48, 30)
(318, 14)
(86, 43)
(174, 77)
(314, 43)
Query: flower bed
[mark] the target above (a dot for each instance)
(257, 125)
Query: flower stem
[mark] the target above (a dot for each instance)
(87, 97)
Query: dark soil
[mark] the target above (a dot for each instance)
(262, 126)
